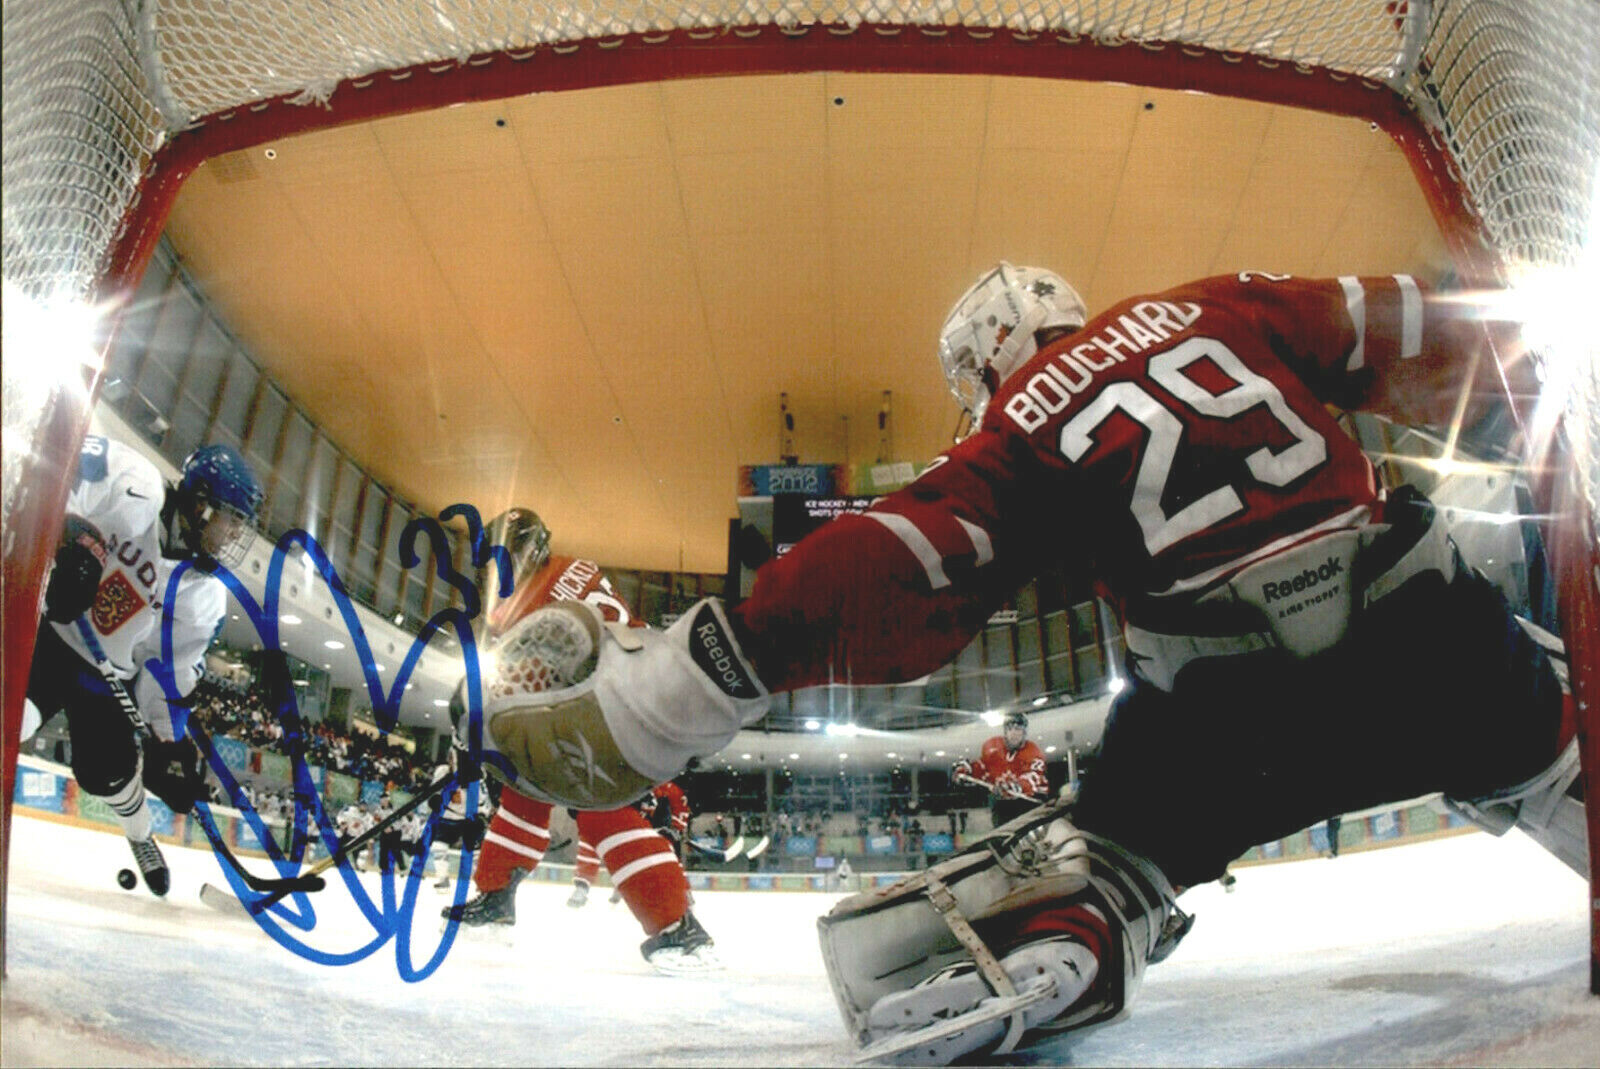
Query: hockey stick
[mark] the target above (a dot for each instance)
(102, 665)
(735, 848)
(760, 847)
(355, 845)
(992, 788)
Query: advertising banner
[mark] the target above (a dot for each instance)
(800, 845)
(38, 789)
(234, 754)
(276, 767)
(811, 480)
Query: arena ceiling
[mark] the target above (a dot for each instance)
(590, 302)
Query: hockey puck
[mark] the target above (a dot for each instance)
(127, 879)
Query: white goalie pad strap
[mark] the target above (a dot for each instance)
(945, 904)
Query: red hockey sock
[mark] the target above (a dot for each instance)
(1084, 923)
(588, 866)
(517, 838)
(642, 865)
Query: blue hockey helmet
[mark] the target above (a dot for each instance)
(219, 498)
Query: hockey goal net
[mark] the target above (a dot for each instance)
(110, 104)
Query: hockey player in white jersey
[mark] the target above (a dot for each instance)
(126, 530)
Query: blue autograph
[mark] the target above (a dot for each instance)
(391, 917)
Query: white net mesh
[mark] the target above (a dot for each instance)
(218, 54)
(547, 650)
(1512, 90)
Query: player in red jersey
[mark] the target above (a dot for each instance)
(667, 809)
(1011, 767)
(1179, 449)
(643, 866)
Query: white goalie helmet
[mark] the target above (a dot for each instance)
(992, 328)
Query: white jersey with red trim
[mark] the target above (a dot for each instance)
(121, 493)
(1170, 440)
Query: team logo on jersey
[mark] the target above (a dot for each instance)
(115, 603)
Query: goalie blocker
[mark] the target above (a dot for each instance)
(953, 960)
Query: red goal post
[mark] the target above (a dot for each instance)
(109, 105)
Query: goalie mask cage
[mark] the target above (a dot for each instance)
(110, 104)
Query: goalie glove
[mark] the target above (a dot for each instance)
(591, 715)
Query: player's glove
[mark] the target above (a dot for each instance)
(961, 768)
(1008, 786)
(585, 714)
(80, 562)
(473, 831)
(174, 772)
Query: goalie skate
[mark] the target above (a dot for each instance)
(954, 1012)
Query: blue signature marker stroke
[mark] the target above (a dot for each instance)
(394, 915)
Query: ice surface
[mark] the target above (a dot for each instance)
(1467, 950)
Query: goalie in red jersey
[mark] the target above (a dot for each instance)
(644, 868)
(1011, 768)
(1179, 449)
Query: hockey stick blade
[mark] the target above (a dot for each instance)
(735, 848)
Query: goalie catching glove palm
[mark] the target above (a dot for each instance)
(582, 713)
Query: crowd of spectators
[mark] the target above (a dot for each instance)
(244, 716)
(907, 830)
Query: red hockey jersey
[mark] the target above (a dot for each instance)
(1012, 775)
(667, 794)
(1170, 441)
(561, 579)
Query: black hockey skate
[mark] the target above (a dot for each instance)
(684, 947)
(152, 865)
(488, 907)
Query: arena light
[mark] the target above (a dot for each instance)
(441, 703)
(1049, 749)
(333, 644)
(289, 618)
(812, 725)
(1041, 701)
(48, 346)
(794, 757)
(1115, 685)
(994, 718)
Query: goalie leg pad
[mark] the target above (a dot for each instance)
(884, 943)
